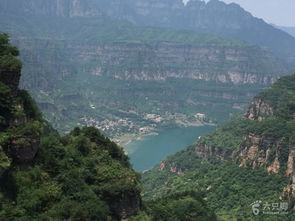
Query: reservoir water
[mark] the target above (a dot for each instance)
(146, 153)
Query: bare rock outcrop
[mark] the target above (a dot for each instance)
(212, 153)
(23, 149)
(259, 109)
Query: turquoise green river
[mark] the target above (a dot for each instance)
(151, 150)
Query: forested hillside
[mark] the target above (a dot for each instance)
(80, 176)
(249, 159)
(106, 72)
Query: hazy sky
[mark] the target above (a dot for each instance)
(279, 12)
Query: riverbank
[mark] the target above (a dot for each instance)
(148, 151)
(125, 139)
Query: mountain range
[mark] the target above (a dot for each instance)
(143, 48)
(125, 66)
(247, 162)
(214, 17)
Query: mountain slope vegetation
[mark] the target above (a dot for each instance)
(248, 159)
(80, 176)
(44, 175)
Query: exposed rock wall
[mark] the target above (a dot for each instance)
(171, 167)
(259, 109)
(289, 191)
(212, 153)
(266, 135)
(214, 17)
(139, 61)
(291, 165)
(61, 8)
(24, 149)
(250, 152)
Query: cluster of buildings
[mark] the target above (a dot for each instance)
(107, 125)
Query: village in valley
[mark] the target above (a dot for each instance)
(124, 130)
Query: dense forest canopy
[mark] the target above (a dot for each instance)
(80, 176)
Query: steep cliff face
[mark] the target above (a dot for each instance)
(289, 191)
(214, 17)
(160, 61)
(128, 52)
(93, 8)
(258, 110)
(154, 62)
(260, 151)
(67, 52)
(249, 157)
(23, 148)
(63, 8)
(210, 63)
(205, 151)
(19, 120)
(84, 173)
(264, 136)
